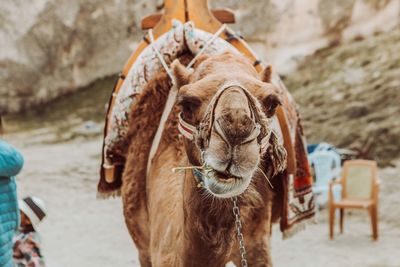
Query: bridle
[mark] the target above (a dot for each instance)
(201, 133)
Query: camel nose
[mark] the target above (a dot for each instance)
(234, 126)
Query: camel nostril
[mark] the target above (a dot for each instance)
(229, 165)
(234, 127)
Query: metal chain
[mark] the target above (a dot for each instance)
(239, 234)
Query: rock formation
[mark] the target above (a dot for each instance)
(50, 48)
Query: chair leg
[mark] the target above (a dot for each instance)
(374, 221)
(341, 220)
(331, 221)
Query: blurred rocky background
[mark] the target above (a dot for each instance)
(340, 58)
(49, 48)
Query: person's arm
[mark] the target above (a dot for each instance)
(11, 161)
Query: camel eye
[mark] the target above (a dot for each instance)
(189, 105)
(270, 103)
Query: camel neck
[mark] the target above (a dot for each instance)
(208, 227)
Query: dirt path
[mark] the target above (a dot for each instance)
(83, 231)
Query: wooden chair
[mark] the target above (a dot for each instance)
(360, 187)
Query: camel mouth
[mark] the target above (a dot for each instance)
(225, 177)
(225, 185)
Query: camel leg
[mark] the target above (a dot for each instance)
(341, 220)
(141, 245)
(331, 220)
(136, 223)
(144, 259)
(257, 254)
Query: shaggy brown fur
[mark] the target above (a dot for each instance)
(171, 220)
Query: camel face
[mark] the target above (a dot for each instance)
(219, 97)
(233, 152)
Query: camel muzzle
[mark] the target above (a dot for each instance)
(225, 176)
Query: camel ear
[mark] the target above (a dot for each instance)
(270, 103)
(266, 74)
(181, 73)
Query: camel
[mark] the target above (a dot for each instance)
(186, 218)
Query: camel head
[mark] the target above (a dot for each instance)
(226, 108)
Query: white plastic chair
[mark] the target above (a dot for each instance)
(327, 167)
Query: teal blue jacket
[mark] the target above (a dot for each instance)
(11, 162)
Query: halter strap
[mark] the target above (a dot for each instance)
(189, 131)
(185, 128)
(206, 127)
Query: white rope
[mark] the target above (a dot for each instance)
(165, 65)
(216, 34)
(157, 138)
(160, 57)
(167, 109)
(172, 93)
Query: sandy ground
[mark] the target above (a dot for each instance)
(83, 231)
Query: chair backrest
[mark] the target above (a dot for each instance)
(323, 147)
(359, 177)
(311, 148)
(326, 166)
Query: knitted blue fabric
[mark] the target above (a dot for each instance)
(11, 162)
